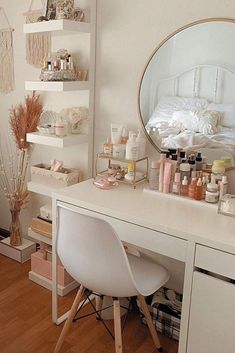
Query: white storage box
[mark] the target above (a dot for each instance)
(46, 212)
(41, 174)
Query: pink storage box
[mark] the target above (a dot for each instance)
(44, 268)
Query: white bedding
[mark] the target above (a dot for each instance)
(175, 138)
(191, 124)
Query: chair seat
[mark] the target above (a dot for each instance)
(148, 275)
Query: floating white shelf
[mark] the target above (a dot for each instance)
(57, 86)
(40, 189)
(58, 27)
(55, 141)
(47, 283)
(39, 237)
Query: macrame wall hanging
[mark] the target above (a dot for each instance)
(38, 45)
(7, 77)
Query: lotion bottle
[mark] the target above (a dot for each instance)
(223, 186)
(142, 145)
(154, 175)
(132, 148)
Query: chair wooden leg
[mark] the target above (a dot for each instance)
(69, 320)
(117, 326)
(98, 304)
(149, 321)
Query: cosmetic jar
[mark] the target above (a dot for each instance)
(227, 205)
(60, 128)
(227, 161)
(119, 151)
(114, 169)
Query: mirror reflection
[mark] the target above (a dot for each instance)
(187, 92)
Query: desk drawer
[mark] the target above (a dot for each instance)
(216, 261)
(140, 236)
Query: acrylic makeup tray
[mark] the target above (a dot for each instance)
(142, 162)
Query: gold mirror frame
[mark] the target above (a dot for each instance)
(214, 19)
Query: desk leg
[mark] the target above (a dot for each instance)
(54, 265)
(188, 281)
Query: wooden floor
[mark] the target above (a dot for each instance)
(26, 327)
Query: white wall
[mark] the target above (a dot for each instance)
(128, 31)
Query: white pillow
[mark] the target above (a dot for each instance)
(168, 105)
(228, 113)
(203, 121)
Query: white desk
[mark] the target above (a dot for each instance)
(174, 227)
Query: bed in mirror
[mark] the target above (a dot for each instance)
(187, 90)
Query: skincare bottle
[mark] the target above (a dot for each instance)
(184, 187)
(154, 175)
(108, 147)
(131, 169)
(192, 187)
(60, 128)
(70, 62)
(184, 170)
(212, 193)
(218, 169)
(227, 161)
(132, 148)
(176, 184)
(167, 177)
(124, 137)
(161, 170)
(199, 161)
(142, 145)
(49, 66)
(182, 156)
(204, 185)
(63, 64)
(192, 164)
(172, 151)
(198, 194)
(223, 186)
(116, 133)
(119, 151)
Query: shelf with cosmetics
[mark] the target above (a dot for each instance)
(64, 79)
(189, 177)
(58, 27)
(56, 86)
(121, 170)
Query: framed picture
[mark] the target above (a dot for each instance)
(51, 9)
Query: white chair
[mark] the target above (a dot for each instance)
(94, 256)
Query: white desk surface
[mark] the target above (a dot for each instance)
(174, 216)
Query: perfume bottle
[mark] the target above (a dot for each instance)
(192, 187)
(176, 184)
(184, 187)
(198, 194)
(108, 147)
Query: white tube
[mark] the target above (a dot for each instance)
(116, 133)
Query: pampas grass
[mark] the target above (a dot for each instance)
(24, 118)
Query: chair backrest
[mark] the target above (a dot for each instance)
(92, 254)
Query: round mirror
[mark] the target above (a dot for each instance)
(187, 90)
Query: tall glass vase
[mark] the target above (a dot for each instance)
(15, 228)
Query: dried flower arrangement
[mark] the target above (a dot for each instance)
(24, 118)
